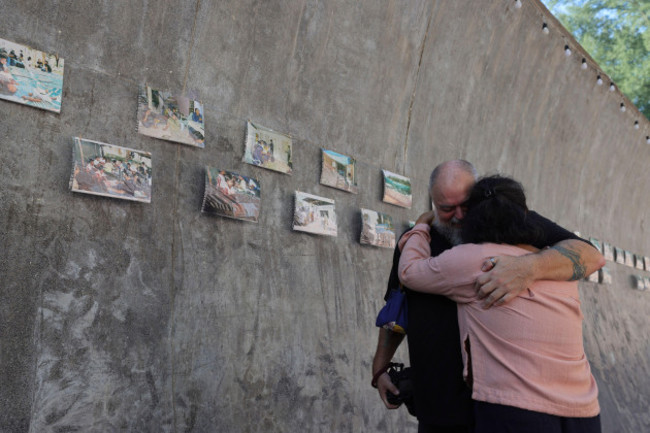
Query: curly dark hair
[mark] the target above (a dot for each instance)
(497, 212)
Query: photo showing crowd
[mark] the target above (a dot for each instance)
(170, 117)
(231, 195)
(30, 77)
(113, 171)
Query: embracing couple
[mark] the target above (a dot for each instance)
(494, 319)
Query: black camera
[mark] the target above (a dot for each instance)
(401, 378)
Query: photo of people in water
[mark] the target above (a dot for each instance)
(30, 77)
(377, 229)
(268, 149)
(170, 117)
(397, 189)
(339, 171)
(111, 171)
(231, 195)
(314, 214)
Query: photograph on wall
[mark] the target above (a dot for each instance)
(638, 282)
(596, 243)
(620, 255)
(170, 117)
(593, 277)
(646, 261)
(397, 189)
(377, 229)
(314, 214)
(605, 275)
(646, 283)
(638, 262)
(112, 171)
(608, 251)
(629, 259)
(30, 77)
(339, 171)
(231, 195)
(267, 148)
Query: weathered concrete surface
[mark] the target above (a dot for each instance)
(118, 316)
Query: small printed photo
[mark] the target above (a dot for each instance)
(639, 282)
(30, 77)
(314, 214)
(596, 243)
(593, 277)
(608, 251)
(377, 229)
(267, 148)
(629, 259)
(339, 171)
(646, 261)
(397, 189)
(646, 283)
(231, 195)
(605, 275)
(170, 117)
(110, 171)
(620, 255)
(638, 262)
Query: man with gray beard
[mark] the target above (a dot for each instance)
(442, 399)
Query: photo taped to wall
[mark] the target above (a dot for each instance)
(314, 214)
(377, 229)
(397, 189)
(268, 149)
(112, 171)
(170, 117)
(608, 251)
(30, 77)
(231, 195)
(339, 171)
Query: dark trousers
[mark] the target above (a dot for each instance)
(428, 428)
(498, 418)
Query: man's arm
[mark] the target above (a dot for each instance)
(506, 277)
(387, 345)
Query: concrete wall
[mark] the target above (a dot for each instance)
(121, 316)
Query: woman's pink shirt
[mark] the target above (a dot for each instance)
(527, 353)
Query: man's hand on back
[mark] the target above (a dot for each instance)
(504, 278)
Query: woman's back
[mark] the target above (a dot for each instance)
(527, 353)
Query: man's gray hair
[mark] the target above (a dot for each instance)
(457, 163)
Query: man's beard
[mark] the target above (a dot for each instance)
(451, 233)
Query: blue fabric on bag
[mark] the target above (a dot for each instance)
(393, 316)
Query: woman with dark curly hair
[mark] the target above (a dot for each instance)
(524, 360)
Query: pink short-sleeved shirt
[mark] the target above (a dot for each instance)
(527, 353)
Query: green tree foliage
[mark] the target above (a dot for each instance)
(616, 33)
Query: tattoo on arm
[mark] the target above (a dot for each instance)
(579, 269)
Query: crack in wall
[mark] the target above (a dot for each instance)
(415, 86)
